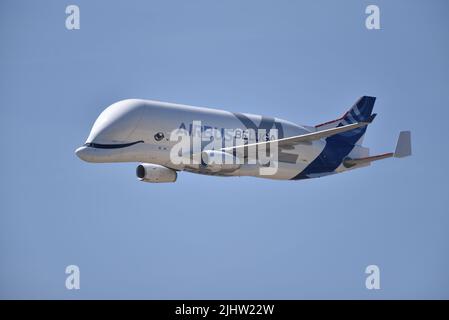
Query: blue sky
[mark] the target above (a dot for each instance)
(209, 237)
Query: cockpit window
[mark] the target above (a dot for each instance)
(111, 146)
(159, 136)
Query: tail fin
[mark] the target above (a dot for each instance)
(404, 145)
(361, 111)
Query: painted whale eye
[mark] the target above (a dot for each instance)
(159, 136)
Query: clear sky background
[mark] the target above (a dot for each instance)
(209, 237)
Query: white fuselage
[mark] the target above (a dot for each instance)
(139, 131)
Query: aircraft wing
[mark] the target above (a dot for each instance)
(308, 137)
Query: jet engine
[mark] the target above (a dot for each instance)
(216, 161)
(155, 173)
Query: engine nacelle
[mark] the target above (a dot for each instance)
(155, 173)
(216, 161)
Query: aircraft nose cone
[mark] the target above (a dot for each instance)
(81, 153)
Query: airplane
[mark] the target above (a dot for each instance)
(149, 133)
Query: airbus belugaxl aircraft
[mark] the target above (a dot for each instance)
(166, 138)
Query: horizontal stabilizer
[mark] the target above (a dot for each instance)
(403, 149)
(348, 163)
